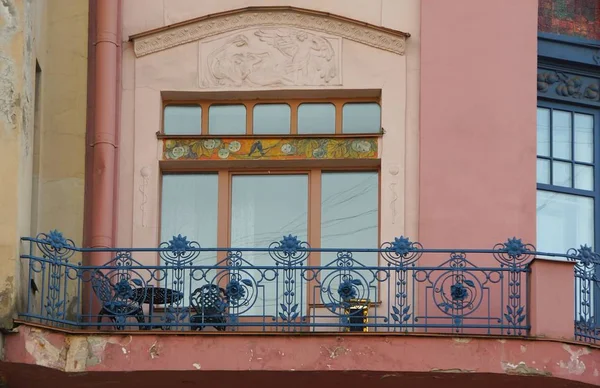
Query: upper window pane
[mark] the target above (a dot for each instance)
(182, 120)
(584, 138)
(316, 118)
(189, 207)
(349, 214)
(543, 132)
(271, 119)
(361, 117)
(561, 134)
(227, 120)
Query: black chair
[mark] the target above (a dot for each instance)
(210, 304)
(118, 302)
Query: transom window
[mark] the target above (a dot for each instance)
(297, 117)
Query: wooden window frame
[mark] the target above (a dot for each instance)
(314, 174)
(249, 104)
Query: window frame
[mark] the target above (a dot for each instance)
(250, 103)
(224, 203)
(595, 193)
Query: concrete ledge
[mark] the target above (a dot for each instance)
(383, 354)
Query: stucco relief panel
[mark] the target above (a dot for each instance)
(270, 57)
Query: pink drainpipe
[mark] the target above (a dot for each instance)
(104, 142)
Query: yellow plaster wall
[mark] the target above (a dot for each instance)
(42, 140)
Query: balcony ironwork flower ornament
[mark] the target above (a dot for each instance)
(347, 289)
(235, 290)
(290, 245)
(515, 247)
(179, 245)
(55, 246)
(587, 256)
(56, 240)
(123, 289)
(458, 292)
(514, 252)
(401, 246)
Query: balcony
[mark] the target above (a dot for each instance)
(183, 287)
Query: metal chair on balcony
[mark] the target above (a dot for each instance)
(210, 304)
(119, 301)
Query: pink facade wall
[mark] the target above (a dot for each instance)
(477, 133)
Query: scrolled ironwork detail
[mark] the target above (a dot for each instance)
(289, 250)
(55, 246)
(401, 251)
(179, 251)
(514, 253)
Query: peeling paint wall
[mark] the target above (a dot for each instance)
(42, 130)
(17, 73)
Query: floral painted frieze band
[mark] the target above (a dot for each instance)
(269, 148)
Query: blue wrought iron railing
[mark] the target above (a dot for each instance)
(290, 287)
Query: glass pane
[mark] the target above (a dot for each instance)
(264, 208)
(361, 117)
(349, 214)
(189, 208)
(182, 120)
(227, 120)
(561, 134)
(561, 174)
(271, 119)
(543, 132)
(316, 118)
(563, 221)
(543, 171)
(584, 177)
(584, 138)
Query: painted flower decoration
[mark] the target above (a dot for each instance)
(458, 292)
(514, 247)
(290, 245)
(288, 149)
(179, 244)
(401, 246)
(361, 146)
(234, 146)
(223, 153)
(178, 152)
(123, 290)
(56, 240)
(210, 144)
(170, 144)
(347, 289)
(319, 153)
(235, 290)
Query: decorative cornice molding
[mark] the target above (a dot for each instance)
(211, 25)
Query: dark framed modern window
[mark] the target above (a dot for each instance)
(568, 195)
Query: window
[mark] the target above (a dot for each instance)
(271, 119)
(227, 120)
(295, 117)
(260, 208)
(359, 117)
(566, 175)
(316, 118)
(182, 119)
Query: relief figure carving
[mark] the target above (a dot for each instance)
(272, 57)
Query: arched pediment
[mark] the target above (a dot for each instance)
(272, 17)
